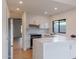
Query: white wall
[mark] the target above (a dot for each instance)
(70, 17)
(5, 17)
(15, 14)
(25, 37)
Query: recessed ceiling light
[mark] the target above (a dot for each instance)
(17, 9)
(55, 8)
(20, 2)
(45, 12)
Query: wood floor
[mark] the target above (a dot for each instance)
(18, 53)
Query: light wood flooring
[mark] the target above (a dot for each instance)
(18, 53)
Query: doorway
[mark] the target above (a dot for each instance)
(15, 36)
(15, 48)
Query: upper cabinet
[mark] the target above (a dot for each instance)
(40, 21)
(41, 24)
(44, 26)
(34, 22)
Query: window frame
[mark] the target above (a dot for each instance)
(58, 25)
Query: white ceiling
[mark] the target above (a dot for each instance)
(40, 6)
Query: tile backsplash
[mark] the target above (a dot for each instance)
(36, 31)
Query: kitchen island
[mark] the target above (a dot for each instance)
(56, 47)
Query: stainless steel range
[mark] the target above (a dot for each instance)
(33, 36)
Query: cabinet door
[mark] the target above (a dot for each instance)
(37, 22)
(32, 22)
(44, 25)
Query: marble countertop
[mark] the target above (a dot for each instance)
(54, 38)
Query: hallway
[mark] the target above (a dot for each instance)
(18, 53)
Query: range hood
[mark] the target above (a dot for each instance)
(33, 25)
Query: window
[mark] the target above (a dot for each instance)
(59, 26)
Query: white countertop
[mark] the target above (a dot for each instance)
(54, 38)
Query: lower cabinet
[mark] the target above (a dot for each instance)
(54, 50)
(26, 43)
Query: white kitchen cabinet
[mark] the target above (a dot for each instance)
(26, 42)
(44, 26)
(54, 48)
(42, 21)
(34, 22)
